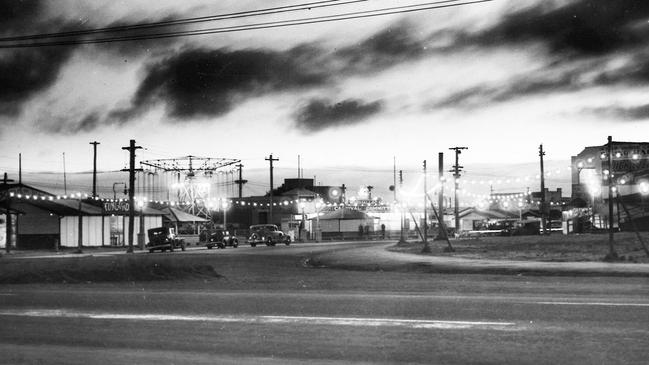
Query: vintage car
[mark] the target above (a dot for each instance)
(267, 234)
(164, 239)
(221, 238)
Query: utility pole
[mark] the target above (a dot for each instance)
(425, 227)
(402, 239)
(394, 177)
(440, 198)
(94, 168)
(456, 176)
(241, 181)
(80, 227)
(131, 192)
(65, 181)
(543, 210)
(6, 182)
(270, 210)
(611, 250)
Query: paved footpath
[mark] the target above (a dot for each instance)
(378, 257)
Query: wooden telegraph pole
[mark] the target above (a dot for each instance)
(456, 177)
(270, 206)
(241, 181)
(131, 192)
(543, 210)
(6, 182)
(94, 168)
(424, 235)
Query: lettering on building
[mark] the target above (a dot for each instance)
(116, 207)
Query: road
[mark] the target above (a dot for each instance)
(269, 307)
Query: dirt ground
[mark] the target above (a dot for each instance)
(554, 247)
(121, 268)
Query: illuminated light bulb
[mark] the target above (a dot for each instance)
(644, 187)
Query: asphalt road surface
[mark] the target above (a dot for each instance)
(271, 307)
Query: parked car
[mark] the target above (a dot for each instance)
(164, 239)
(267, 234)
(221, 238)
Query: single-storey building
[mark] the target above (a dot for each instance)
(344, 223)
(42, 220)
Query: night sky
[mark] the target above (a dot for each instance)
(499, 77)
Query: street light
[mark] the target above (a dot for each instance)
(225, 217)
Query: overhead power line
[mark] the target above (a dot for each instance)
(184, 21)
(266, 25)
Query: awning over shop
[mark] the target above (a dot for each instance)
(344, 213)
(177, 215)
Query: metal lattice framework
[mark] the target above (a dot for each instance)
(191, 190)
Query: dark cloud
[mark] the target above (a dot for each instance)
(25, 72)
(201, 83)
(581, 38)
(396, 44)
(516, 87)
(631, 113)
(320, 114)
(585, 27)
(14, 13)
(135, 48)
(574, 77)
(71, 124)
(634, 73)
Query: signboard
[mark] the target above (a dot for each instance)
(118, 207)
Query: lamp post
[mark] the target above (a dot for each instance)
(303, 222)
(520, 211)
(225, 205)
